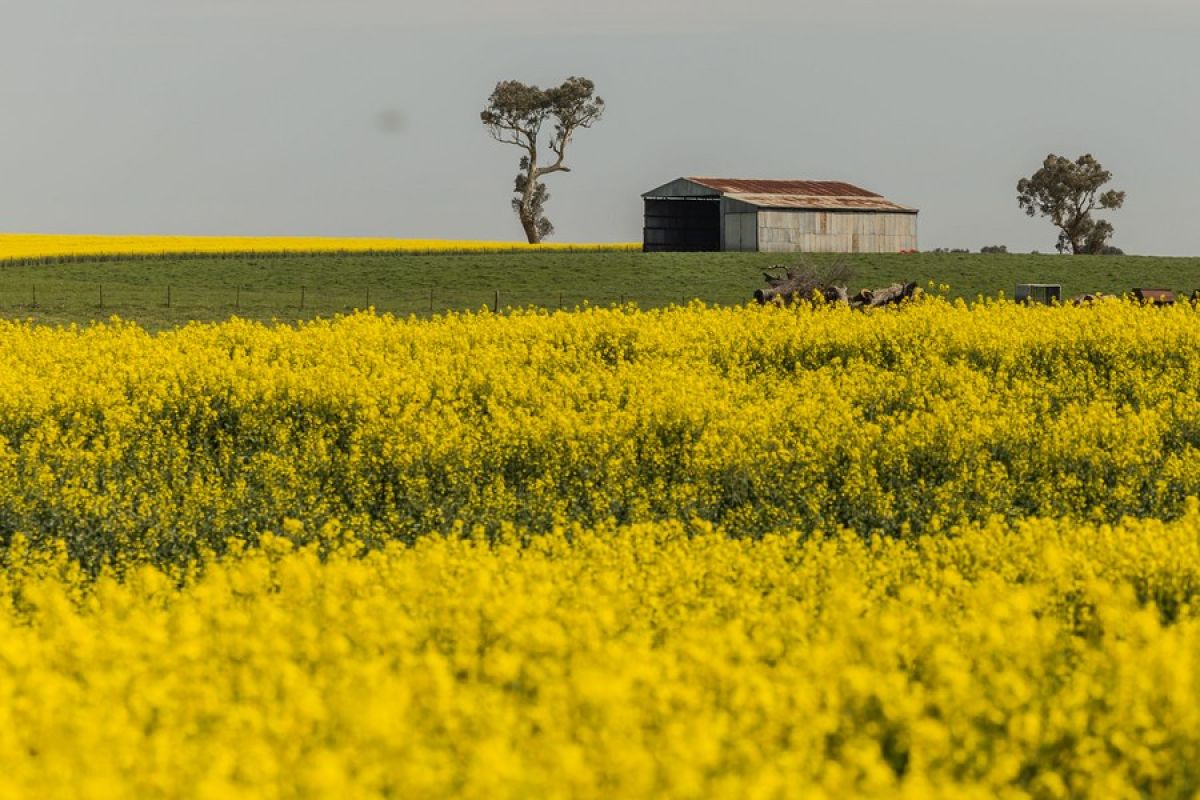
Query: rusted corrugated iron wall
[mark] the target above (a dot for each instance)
(835, 232)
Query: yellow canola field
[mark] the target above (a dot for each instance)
(127, 445)
(945, 551)
(33, 246)
(1046, 660)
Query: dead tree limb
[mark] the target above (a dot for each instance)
(799, 282)
(796, 285)
(874, 298)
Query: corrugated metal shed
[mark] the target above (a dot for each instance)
(775, 215)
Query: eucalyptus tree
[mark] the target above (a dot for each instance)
(1067, 192)
(515, 114)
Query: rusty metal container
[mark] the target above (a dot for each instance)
(1158, 297)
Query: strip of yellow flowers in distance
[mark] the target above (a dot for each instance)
(30, 246)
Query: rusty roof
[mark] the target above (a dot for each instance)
(789, 187)
(821, 202)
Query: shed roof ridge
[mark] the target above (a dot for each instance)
(802, 194)
(819, 202)
(781, 186)
(763, 180)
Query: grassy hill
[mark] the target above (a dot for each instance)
(300, 287)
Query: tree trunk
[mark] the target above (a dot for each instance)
(529, 224)
(1076, 236)
(525, 208)
(895, 293)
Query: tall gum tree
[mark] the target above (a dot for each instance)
(515, 114)
(1065, 191)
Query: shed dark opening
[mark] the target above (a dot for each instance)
(692, 224)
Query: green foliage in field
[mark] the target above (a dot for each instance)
(268, 288)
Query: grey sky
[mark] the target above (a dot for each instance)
(360, 117)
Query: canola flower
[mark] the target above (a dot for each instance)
(27, 247)
(127, 445)
(1039, 660)
(945, 551)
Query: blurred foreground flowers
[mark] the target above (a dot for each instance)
(656, 660)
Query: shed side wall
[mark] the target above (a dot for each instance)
(741, 232)
(791, 231)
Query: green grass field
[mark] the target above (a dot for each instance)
(300, 287)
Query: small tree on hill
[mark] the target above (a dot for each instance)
(1066, 192)
(514, 115)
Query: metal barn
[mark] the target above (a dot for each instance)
(773, 216)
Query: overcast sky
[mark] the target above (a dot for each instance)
(361, 117)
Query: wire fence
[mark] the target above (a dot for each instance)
(300, 301)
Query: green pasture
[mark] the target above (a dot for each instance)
(162, 292)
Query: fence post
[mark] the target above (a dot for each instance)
(237, 297)
(430, 299)
(301, 298)
(35, 295)
(496, 304)
(168, 295)
(368, 305)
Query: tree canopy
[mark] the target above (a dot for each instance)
(1067, 192)
(515, 114)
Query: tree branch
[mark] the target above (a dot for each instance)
(512, 137)
(558, 145)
